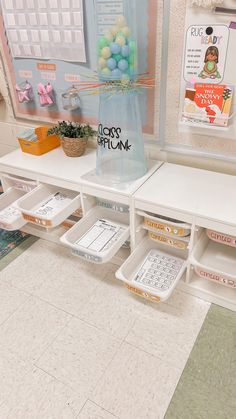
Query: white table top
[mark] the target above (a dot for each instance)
(55, 165)
(199, 192)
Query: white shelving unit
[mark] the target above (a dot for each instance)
(206, 201)
(55, 170)
(197, 199)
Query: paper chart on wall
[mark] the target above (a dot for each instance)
(45, 29)
(107, 14)
(206, 53)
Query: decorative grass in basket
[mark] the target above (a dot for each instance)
(74, 137)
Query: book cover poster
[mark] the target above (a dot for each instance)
(208, 103)
(206, 50)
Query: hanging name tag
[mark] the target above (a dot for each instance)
(205, 53)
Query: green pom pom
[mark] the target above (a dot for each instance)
(102, 43)
(132, 46)
(117, 57)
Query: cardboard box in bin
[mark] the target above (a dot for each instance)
(37, 142)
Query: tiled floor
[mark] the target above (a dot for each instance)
(75, 344)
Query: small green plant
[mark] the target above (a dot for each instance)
(72, 130)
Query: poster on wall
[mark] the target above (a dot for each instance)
(45, 29)
(206, 53)
(49, 86)
(208, 96)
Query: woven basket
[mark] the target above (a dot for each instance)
(74, 147)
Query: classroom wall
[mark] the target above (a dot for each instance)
(10, 127)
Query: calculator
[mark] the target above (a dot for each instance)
(159, 272)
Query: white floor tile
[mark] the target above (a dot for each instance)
(73, 292)
(40, 396)
(169, 331)
(5, 411)
(136, 385)
(10, 299)
(31, 328)
(188, 305)
(44, 266)
(79, 355)
(92, 411)
(12, 372)
(166, 337)
(112, 309)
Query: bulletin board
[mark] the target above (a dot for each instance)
(196, 30)
(62, 72)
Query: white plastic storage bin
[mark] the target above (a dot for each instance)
(151, 271)
(48, 206)
(165, 225)
(10, 216)
(17, 182)
(178, 243)
(222, 238)
(214, 261)
(99, 235)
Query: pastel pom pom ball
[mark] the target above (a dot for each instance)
(117, 57)
(106, 52)
(111, 63)
(103, 42)
(125, 51)
(115, 30)
(132, 45)
(106, 71)
(126, 31)
(120, 40)
(121, 21)
(116, 74)
(108, 35)
(115, 48)
(102, 63)
(123, 65)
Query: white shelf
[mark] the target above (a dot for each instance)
(197, 197)
(191, 195)
(52, 235)
(57, 169)
(210, 291)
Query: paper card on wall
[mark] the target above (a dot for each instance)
(63, 17)
(206, 50)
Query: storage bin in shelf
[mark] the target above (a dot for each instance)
(214, 261)
(112, 205)
(48, 206)
(169, 240)
(20, 183)
(10, 216)
(151, 271)
(222, 238)
(165, 224)
(99, 235)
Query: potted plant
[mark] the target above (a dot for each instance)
(74, 137)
